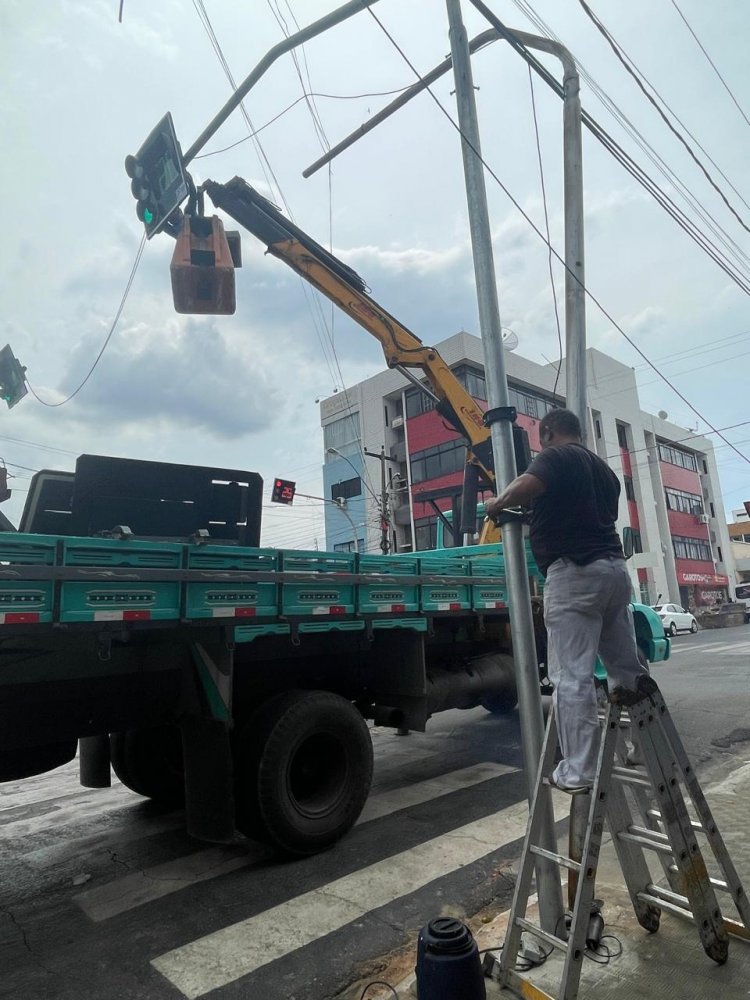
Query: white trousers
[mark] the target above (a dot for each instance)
(587, 612)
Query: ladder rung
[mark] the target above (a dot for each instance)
(717, 883)
(656, 814)
(646, 841)
(527, 925)
(665, 904)
(559, 859)
(630, 776)
(665, 895)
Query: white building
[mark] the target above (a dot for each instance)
(670, 485)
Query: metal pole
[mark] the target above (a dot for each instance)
(575, 288)
(524, 646)
(316, 28)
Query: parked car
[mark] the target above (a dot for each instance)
(675, 619)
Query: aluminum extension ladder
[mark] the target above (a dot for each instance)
(658, 820)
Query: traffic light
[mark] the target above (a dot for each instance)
(12, 377)
(157, 176)
(283, 491)
(203, 268)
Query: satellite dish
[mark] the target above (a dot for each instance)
(662, 414)
(510, 340)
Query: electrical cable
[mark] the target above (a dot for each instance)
(378, 982)
(107, 339)
(618, 153)
(547, 230)
(298, 100)
(713, 64)
(312, 300)
(590, 294)
(669, 175)
(620, 55)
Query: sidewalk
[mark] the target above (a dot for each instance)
(670, 964)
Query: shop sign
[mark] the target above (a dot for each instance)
(712, 578)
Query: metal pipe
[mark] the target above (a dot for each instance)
(316, 28)
(524, 646)
(575, 290)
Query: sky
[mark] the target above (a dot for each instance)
(80, 89)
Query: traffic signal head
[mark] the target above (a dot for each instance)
(12, 377)
(283, 491)
(157, 176)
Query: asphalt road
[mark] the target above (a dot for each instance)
(104, 896)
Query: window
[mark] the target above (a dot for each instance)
(637, 541)
(418, 402)
(441, 460)
(713, 510)
(349, 546)
(343, 435)
(718, 550)
(676, 456)
(629, 491)
(622, 439)
(691, 548)
(472, 380)
(685, 503)
(347, 489)
(598, 428)
(426, 533)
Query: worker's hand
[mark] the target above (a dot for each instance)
(500, 514)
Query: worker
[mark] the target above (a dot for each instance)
(574, 497)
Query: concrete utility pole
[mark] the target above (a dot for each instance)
(524, 646)
(385, 520)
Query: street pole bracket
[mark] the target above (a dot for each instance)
(497, 413)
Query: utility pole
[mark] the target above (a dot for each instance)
(385, 519)
(499, 416)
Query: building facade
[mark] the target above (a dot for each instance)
(399, 468)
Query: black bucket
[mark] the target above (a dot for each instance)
(448, 963)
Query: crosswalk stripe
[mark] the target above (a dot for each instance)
(69, 809)
(239, 949)
(146, 885)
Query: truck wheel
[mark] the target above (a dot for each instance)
(303, 769)
(149, 762)
(504, 698)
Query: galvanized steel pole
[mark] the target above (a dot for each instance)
(524, 646)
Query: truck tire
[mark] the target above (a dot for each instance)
(149, 762)
(303, 769)
(504, 699)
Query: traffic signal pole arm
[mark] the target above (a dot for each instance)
(346, 289)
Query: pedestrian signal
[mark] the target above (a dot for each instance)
(283, 491)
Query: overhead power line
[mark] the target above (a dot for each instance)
(494, 21)
(712, 63)
(620, 55)
(732, 247)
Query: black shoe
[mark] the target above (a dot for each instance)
(645, 687)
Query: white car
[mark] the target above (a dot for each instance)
(675, 619)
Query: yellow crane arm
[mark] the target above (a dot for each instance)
(346, 289)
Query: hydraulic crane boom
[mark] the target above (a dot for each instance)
(346, 289)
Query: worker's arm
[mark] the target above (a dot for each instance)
(520, 492)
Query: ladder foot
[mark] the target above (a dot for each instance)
(649, 918)
(718, 951)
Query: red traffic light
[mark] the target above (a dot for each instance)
(283, 491)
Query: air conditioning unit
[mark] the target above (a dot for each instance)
(703, 519)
